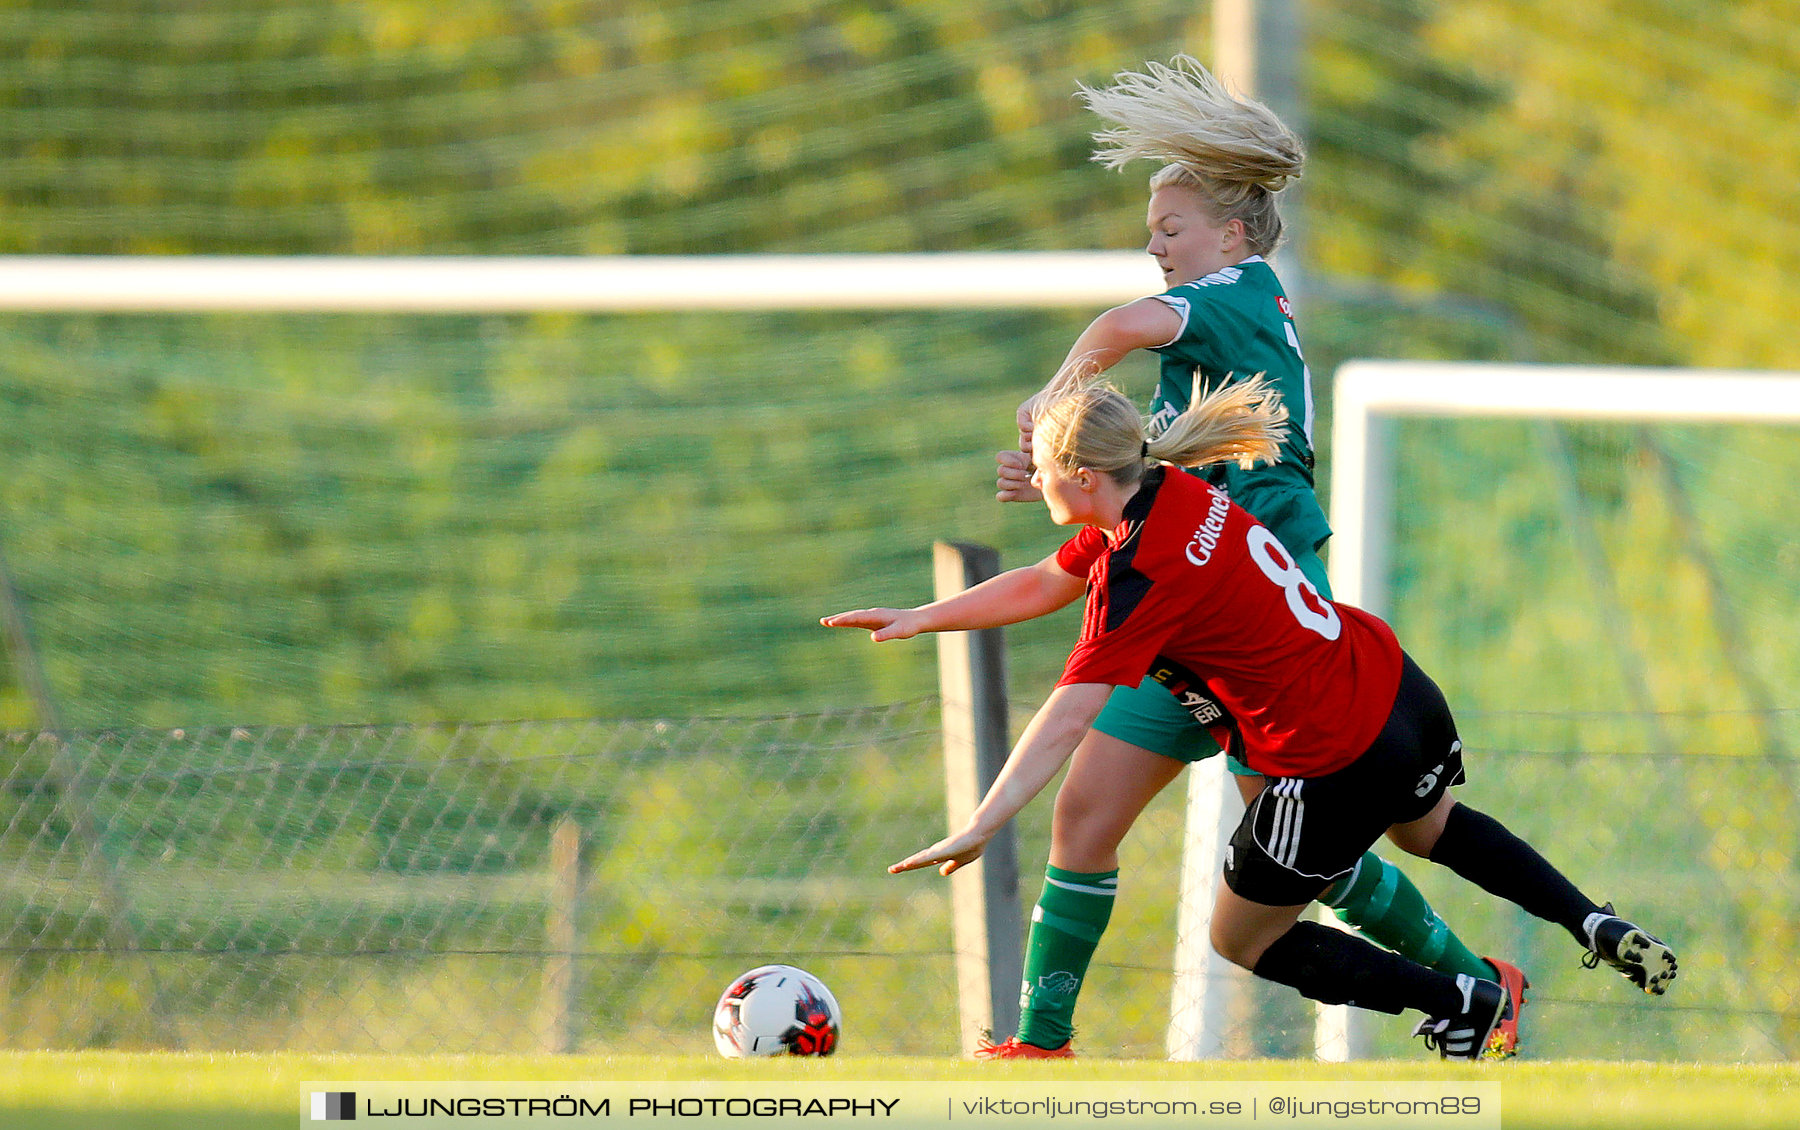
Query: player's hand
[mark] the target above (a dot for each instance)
(1012, 482)
(953, 852)
(1025, 418)
(882, 623)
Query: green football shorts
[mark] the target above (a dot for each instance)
(1148, 716)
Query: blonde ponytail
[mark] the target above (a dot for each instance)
(1094, 425)
(1243, 423)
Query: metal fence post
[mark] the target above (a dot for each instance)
(984, 896)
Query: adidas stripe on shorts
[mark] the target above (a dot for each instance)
(1302, 833)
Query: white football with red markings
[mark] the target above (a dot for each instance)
(776, 1010)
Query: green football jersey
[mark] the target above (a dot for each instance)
(1237, 323)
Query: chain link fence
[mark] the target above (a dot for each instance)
(398, 888)
(390, 887)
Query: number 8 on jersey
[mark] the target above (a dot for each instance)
(1311, 609)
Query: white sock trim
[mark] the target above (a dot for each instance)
(1085, 888)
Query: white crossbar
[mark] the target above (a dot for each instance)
(622, 283)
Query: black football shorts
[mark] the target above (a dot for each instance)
(1301, 834)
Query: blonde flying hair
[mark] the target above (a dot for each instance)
(1232, 152)
(1083, 422)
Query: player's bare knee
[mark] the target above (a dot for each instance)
(1086, 849)
(1234, 947)
(1419, 837)
(1086, 826)
(1410, 842)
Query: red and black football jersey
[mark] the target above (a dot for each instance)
(1193, 582)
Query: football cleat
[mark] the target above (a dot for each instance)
(1640, 958)
(1504, 1042)
(1466, 1034)
(1016, 1048)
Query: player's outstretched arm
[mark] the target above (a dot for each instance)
(883, 623)
(1017, 594)
(1046, 744)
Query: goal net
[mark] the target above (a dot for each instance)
(1597, 564)
(415, 517)
(282, 580)
(398, 490)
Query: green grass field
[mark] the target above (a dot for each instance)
(116, 1091)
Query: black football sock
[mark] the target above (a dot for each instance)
(1333, 967)
(1481, 850)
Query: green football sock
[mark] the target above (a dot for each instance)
(1066, 925)
(1380, 901)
